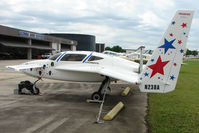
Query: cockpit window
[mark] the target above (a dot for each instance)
(54, 57)
(73, 57)
(93, 58)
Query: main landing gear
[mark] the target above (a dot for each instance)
(103, 87)
(26, 87)
(100, 96)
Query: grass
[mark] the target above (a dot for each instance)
(177, 111)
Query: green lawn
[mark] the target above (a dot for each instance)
(177, 111)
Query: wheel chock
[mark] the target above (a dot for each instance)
(112, 113)
(126, 91)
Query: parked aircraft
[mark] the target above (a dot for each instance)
(112, 53)
(137, 55)
(159, 76)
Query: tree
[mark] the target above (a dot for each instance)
(194, 52)
(115, 49)
(189, 52)
(108, 48)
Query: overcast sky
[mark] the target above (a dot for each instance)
(128, 23)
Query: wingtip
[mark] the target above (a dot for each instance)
(11, 68)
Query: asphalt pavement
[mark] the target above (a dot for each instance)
(62, 107)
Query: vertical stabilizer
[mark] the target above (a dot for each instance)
(161, 72)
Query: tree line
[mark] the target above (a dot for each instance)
(116, 49)
(192, 52)
(120, 50)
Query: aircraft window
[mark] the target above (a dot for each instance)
(93, 58)
(73, 57)
(54, 57)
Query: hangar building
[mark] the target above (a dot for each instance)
(100, 47)
(25, 44)
(85, 42)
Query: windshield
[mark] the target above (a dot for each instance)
(93, 58)
(54, 57)
(73, 57)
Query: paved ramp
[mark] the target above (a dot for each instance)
(62, 107)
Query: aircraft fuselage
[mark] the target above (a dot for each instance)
(51, 69)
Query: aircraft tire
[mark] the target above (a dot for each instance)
(97, 96)
(36, 91)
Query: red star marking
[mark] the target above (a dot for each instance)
(158, 77)
(184, 25)
(179, 41)
(174, 64)
(158, 67)
(171, 34)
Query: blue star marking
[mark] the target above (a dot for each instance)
(167, 45)
(173, 22)
(152, 60)
(146, 74)
(141, 78)
(172, 77)
(181, 51)
(184, 33)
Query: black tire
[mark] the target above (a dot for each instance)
(109, 87)
(36, 91)
(97, 96)
(27, 82)
(20, 90)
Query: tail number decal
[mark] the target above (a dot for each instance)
(152, 87)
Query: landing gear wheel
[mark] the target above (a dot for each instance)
(27, 88)
(109, 88)
(36, 91)
(97, 96)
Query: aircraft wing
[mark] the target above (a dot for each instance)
(24, 66)
(79, 68)
(113, 73)
(117, 74)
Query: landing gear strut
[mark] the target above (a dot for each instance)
(104, 86)
(30, 87)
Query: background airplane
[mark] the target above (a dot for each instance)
(159, 76)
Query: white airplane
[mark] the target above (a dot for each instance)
(112, 53)
(159, 75)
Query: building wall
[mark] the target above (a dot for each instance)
(100, 47)
(56, 46)
(84, 42)
(129, 51)
(23, 44)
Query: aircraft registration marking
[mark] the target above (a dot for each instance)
(152, 87)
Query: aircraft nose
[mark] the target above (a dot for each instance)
(46, 68)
